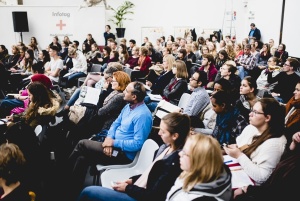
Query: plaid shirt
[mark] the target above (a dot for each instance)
(247, 61)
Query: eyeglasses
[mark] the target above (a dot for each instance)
(183, 153)
(256, 112)
(286, 65)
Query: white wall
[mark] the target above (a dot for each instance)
(201, 14)
(43, 20)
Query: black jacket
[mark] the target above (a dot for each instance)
(160, 180)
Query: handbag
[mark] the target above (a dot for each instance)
(76, 113)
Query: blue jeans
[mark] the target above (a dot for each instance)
(74, 97)
(73, 77)
(98, 193)
(242, 72)
(8, 104)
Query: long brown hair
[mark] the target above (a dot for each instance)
(276, 127)
(41, 97)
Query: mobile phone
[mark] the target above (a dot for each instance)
(113, 183)
(115, 153)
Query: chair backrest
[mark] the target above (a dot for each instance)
(146, 154)
(184, 99)
(96, 68)
(144, 161)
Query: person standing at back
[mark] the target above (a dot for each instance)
(254, 32)
(107, 34)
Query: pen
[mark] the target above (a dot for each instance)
(228, 161)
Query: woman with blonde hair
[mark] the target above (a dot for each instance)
(161, 81)
(204, 176)
(230, 51)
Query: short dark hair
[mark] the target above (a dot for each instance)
(132, 41)
(55, 48)
(252, 24)
(76, 42)
(294, 63)
(139, 90)
(202, 77)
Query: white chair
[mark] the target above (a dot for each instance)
(184, 99)
(100, 168)
(143, 162)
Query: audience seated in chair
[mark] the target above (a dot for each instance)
(55, 66)
(261, 144)
(281, 183)
(199, 98)
(42, 107)
(199, 180)
(229, 123)
(157, 180)
(176, 87)
(248, 98)
(126, 136)
(286, 80)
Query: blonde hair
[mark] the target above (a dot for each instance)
(170, 60)
(181, 69)
(123, 80)
(206, 161)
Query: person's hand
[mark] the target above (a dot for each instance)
(105, 85)
(108, 151)
(232, 150)
(100, 59)
(127, 65)
(261, 67)
(108, 142)
(10, 118)
(13, 70)
(148, 83)
(237, 192)
(120, 186)
(128, 181)
(296, 137)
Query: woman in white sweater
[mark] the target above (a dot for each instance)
(261, 144)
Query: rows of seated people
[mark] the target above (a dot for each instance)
(248, 99)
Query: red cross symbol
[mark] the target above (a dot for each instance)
(60, 25)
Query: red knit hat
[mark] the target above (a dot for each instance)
(43, 79)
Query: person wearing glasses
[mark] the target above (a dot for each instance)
(158, 178)
(198, 100)
(286, 80)
(261, 144)
(204, 175)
